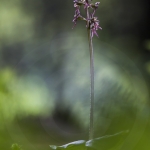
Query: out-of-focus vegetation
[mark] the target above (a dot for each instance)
(22, 97)
(44, 73)
(15, 147)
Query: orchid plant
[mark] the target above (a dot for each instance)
(92, 25)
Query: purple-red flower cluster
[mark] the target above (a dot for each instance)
(77, 15)
(93, 21)
(94, 26)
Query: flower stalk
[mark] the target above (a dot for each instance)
(91, 129)
(92, 24)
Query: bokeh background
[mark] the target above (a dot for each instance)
(45, 80)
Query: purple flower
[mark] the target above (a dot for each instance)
(94, 26)
(79, 2)
(77, 15)
(94, 7)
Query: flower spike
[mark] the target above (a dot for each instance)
(93, 21)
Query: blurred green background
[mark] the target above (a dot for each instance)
(45, 80)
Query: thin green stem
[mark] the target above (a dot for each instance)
(91, 129)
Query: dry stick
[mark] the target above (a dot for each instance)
(91, 129)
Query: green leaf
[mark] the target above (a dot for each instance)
(106, 142)
(102, 143)
(76, 145)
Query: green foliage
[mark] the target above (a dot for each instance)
(16, 98)
(16, 147)
(14, 21)
(104, 143)
(107, 142)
